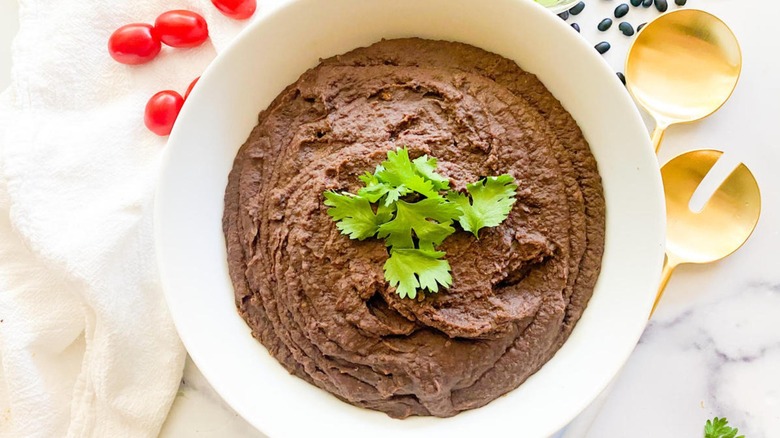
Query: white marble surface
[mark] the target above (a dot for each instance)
(713, 347)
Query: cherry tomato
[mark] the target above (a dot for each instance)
(238, 9)
(135, 43)
(189, 89)
(181, 28)
(162, 110)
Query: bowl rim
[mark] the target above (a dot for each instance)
(162, 195)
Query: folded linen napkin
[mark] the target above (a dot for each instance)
(87, 347)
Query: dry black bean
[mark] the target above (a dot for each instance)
(626, 28)
(636, 2)
(622, 77)
(680, 2)
(641, 26)
(647, 3)
(605, 24)
(564, 15)
(576, 9)
(621, 10)
(603, 47)
(576, 26)
(661, 5)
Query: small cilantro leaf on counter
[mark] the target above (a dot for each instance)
(719, 428)
(491, 201)
(354, 215)
(410, 269)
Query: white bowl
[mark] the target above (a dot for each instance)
(270, 54)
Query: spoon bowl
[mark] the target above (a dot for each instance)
(682, 67)
(724, 223)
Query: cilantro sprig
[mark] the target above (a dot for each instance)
(410, 269)
(429, 221)
(354, 215)
(719, 428)
(411, 206)
(491, 200)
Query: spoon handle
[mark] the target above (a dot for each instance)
(658, 136)
(666, 274)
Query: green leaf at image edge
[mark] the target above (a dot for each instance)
(719, 428)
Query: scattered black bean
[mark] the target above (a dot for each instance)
(603, 47)
(661, 5)
(564, 15)
(626, 28)
(680, 2)
(605, 24)
(576, 26)
(647, 3)
(641, 26)
(622, 77)
(576, 9)
(621, 10)
(636, 2)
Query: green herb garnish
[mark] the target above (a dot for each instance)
(491, 200)
(719, 428)
(410, 269)
(414, 212)
(429, 221)
(354, 215)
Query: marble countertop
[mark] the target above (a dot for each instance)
(713, 347)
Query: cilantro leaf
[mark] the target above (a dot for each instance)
(719, 428)
(492, 199)
(375, 189)
(429, 219)
(410, 269)
(426, 167)
(354, 214)
(399, 171)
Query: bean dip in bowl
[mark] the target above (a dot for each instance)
(293, 323)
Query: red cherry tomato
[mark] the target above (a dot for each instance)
(238, 9)
(181, 28)
(162, 110)
(135, 43)
(189, 89)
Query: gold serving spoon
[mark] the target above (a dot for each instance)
(682, 67)
(720, 228)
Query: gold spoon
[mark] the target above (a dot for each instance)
(720, 228)
(682, 67)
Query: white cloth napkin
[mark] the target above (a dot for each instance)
(86, 343)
